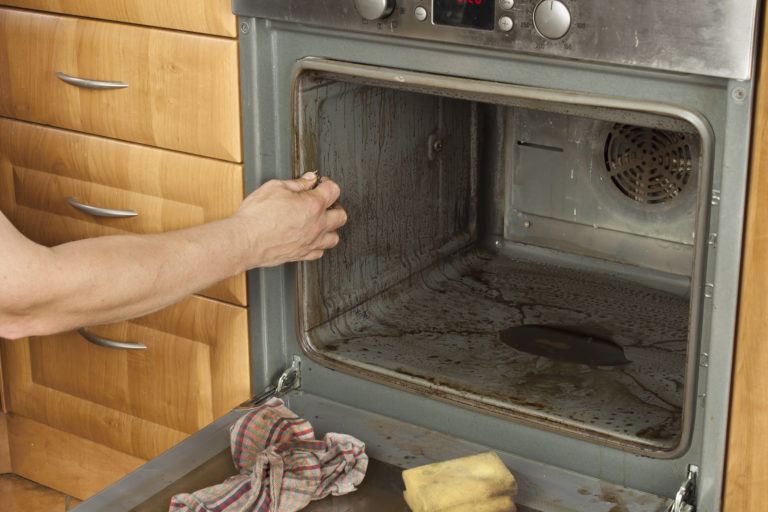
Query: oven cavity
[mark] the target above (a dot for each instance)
(525, 257)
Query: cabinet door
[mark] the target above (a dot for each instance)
(206, 16)
(102, 410)
(181, 90)
(40, 168)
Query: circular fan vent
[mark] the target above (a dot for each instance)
(650, 166)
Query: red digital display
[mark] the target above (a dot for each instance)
(479, 14)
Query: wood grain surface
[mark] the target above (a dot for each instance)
(64, 462)
(41, 167)
(139, 403)
(746, 488)
(5, 453)
(21, 495)
(182, 93)
(205, 16)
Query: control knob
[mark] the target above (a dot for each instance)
(375, 9)
(552, 19)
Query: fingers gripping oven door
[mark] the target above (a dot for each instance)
(529, 253)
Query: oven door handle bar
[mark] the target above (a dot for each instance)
(100, 212)
(87, 83)
(107, 343)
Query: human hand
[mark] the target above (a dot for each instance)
(291, 220)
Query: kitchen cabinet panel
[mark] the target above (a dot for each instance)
(41, 167)
(182, 89)
(62, 461)
(5, 454)
(140, 403)
(206, 16)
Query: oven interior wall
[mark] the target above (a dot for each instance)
(406, 162)
(491, 261)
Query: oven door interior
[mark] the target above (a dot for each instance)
(204, 459)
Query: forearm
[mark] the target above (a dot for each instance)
(105, 280)
(108, 279)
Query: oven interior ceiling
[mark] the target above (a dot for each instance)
(534, 260)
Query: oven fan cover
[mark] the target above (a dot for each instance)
(648, 165)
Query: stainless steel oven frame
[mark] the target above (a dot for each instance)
(270, 52)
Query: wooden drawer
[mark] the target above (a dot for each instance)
(41, 167)
(182, 89)
(206, 16)
(138, 402)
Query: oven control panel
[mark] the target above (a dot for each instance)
(705, 37)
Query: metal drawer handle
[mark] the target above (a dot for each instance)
(90, 84)
(101, 212)
(107, 343)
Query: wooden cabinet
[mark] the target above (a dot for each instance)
(167, 147)
(40, 168)
(206, 16)
(181, 94)
(5, 454)
(133, 402)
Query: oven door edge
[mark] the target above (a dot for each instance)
(203, 460)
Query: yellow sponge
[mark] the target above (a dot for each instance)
(459, 485)
(497, 504)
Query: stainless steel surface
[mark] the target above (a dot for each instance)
(100, 212)
(87, 83)
(107, 343)
(444, 331)
(586, 184)
(552, 19)
(269, 51)
(204, 460)
(685, 500)
(375, 9)
(706, 37)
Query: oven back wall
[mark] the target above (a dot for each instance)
(269, 53)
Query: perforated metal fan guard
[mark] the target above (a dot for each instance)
(648, 165)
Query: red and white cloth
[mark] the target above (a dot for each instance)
(282, 467)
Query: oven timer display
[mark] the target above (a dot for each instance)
(480, 14)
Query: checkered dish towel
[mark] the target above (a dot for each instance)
(282, 466)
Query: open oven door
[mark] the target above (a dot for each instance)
(204, 459)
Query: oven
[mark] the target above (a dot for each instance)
(546, 202)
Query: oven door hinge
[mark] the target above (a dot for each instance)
(289, 380)
(685, 500)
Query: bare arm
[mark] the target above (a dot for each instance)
(103, 280)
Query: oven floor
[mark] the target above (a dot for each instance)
(450, 329)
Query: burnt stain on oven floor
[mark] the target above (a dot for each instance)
(612, 361)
